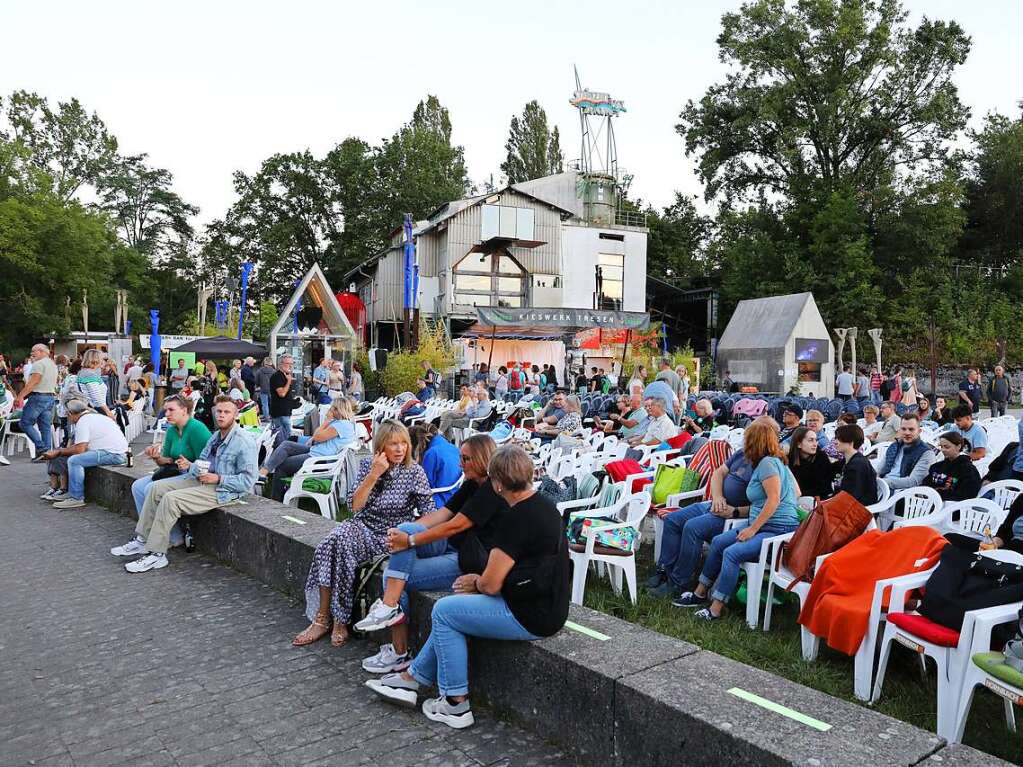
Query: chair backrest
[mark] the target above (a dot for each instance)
(634, 510)
(974, 515)
(1003, 492)
(735, 437)
(884, 491)
(918, 502)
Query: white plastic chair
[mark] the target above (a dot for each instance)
(449, 488)
(319, 467)
(969, 518)
(951, 662)
(629, 512)
(916, 502)
(14, 440)
(1003, 492)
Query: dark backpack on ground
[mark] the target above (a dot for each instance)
(965, 581)
(362, 597)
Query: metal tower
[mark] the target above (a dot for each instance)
(599, 153)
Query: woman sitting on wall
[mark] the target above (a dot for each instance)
(430, 553)
(389, 489)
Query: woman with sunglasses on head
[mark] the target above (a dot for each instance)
(388, 489)
(430, 553)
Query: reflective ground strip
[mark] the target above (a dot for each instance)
(296, 520)
(587, 631)
(777, 708)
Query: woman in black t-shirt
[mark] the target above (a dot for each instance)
(425, 554)
(522, 594)
(810, 466)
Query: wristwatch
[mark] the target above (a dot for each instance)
(412, 541)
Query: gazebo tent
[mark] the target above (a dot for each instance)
(334, 330)
(222, 347)
(779, 342)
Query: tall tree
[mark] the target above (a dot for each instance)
(839, 93)
(350, 173)
(419, 168)
(72, 146)
(533, 149)
(676, 246)
(151, 217)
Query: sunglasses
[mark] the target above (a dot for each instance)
(464, 458)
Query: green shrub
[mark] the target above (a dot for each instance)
(403, 368)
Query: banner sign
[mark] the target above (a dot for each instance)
(563, 318)
(167, 342)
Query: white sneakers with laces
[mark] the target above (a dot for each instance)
(132, 548)
(149, 562)
(387, 661)
(380, 616)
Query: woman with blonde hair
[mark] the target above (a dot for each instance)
(335, 433)
(89, 384)
(773, 494)
(430, 553)
(389, 488)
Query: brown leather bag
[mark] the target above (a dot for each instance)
(831, 525)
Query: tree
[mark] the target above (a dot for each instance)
(72, 146)
(994, 206)
(151, 217)
(676, 245)
(350, 172)
(533, 150)
(838, 93)
(419, 169)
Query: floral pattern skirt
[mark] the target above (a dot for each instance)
(335, 563)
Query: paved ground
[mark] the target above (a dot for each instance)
(191, 665)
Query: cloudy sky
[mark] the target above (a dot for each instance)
(207, 88)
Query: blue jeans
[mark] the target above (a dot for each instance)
(726, 555)
(430, 567)
(264, 404)
(37, 420)
(444, 660)
(282, 429)
(138, 492)
(682, 541)
(77, 464)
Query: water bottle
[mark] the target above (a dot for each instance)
(988, 542)
(189, 539)
(129, 459)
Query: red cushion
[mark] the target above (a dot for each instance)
(679, 441)
(925, 629)
(619, 470)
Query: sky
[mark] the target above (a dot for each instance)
(209, 88)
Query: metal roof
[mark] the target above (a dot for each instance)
(765, 323)
(559, 190)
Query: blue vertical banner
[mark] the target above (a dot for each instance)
(298, 308)
(410, 259)
(127, 327)
(246, 271)
(154, 340)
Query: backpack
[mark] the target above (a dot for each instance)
(831, 525)
(543, 380)
(965, 581)
(515, 380)
(366, 573)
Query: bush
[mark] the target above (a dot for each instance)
(403, 368)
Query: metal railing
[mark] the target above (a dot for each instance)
(630, 218)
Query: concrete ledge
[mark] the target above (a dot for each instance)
(638, 697)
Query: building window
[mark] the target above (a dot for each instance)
(507, 222)
(610, 280)
(494, 280)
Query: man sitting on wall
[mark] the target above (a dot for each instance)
(225, 471)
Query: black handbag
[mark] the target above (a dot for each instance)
(965, 581)
(170, 471)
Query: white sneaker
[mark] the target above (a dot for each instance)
(4, 461)
(380, 616)
(387, 661)
(149, 562)
(458, 716)
(132, 548)
(395, 689)
(69, 502)
(48, 495)
(58, 495)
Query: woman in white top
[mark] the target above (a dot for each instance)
(336, 380)
(683, 374)
(909, 391)
(638, 380)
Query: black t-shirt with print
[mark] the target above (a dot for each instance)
(529, 532)
(482, 506)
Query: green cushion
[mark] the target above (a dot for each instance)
(994, 664)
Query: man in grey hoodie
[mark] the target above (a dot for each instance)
(263, 386)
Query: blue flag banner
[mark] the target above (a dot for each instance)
(154, 340)
(410, 259)
(246, 271)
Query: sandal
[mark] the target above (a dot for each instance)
(316, 631)
(339, 635)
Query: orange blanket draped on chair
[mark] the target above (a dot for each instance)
(838, 606)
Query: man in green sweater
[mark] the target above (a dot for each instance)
(184, 436)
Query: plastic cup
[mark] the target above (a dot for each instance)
(203, 466)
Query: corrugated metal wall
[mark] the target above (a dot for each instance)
(389, 288)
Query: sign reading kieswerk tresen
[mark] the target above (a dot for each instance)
(566, 318)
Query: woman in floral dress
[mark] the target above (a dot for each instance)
(387, 490)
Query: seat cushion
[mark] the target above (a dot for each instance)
(994, 663)
(312, 484)
(610, 551)
(925, 629)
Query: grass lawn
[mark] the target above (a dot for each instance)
(906, 695)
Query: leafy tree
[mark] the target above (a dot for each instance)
(73, 147)
(533, 149)
(834, 92)
(994, 206)
(151, 217)
(350, 172)
(419, 169)
(676, 245)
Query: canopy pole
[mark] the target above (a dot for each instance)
(490, 359)
(625, 352)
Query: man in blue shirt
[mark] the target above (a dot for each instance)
(972, 432)
(969, 390)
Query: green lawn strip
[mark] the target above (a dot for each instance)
(907, 695)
